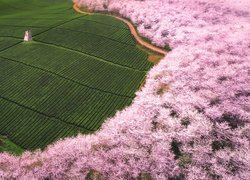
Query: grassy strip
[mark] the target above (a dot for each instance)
(7, 145)
(153, 56)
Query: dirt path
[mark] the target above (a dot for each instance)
(132, 29)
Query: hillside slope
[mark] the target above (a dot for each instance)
(190, 121)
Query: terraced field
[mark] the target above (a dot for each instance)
(77, 71)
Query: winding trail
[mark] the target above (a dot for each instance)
(132, 29)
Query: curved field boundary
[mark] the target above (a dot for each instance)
(132, 30)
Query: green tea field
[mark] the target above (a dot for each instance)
(76, 72)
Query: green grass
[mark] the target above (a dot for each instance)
(111, 77)
(9, 146)
(18, 31)
(78, 71)
(7, 42)
(97, 46)
(106, 20)
(98, 28)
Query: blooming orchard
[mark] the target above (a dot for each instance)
(190, 120)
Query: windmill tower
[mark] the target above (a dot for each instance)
(27, 36)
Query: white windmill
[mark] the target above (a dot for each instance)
(27, 36)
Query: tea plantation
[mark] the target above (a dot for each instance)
(78, 71)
